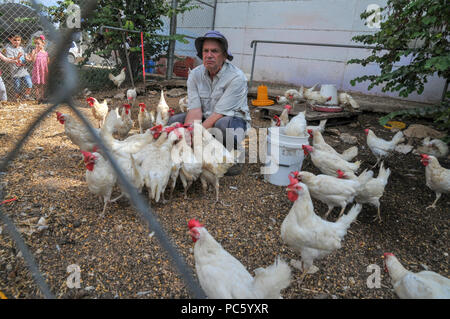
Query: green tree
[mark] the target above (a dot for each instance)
(417, 29)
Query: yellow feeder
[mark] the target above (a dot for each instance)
(395, 125)
(262, 98)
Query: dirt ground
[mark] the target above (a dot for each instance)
(119, 257)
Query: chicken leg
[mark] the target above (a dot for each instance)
(330, 208)
(438, 195)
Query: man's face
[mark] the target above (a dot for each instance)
(15, 41)
(213, 56)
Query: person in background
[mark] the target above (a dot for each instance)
(19, 72)
(40, 60)
(3, 95)
(217, 93)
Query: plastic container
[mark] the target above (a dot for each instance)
(284, 155)
(150, 66)
(329, 90)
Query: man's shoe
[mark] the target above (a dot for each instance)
(234, 170)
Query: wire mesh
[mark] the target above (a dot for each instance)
(19, 25)
(60, 93)
(194, 23)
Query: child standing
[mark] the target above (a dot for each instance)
(3, 96)
(40, 60)
(18, 70)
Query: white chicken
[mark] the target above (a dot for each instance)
(347, 99)
(131, 144)
(372, 189)
(118, 79)
(77, 132)
(309, 234)
(330, 190)
(282, 100)
(99, 110)
(320, 127)
(329, 163)
(380, 147)
(183, 154)
(132, 172)
(314, 97)
(283, 119)
(131, 96)
(216, 159)
(421, 285)
(222, 276)
(297, 125)
(145, 119)
(183, 103)
(435, 147)
(437, 177)
(293, 96)
(163, 111)
(156, 162)
(123, 130)
(100, 177)
(319, 143)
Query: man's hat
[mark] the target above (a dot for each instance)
(212, 35)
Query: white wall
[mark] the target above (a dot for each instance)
(318, 21)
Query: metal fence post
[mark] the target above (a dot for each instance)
(173, 31)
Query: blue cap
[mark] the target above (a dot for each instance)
(212, 35)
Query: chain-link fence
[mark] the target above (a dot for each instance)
(60, 92)
(195, 23)
(19, 26)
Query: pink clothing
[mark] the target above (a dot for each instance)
(40, 68)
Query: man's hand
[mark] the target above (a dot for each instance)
(210, 121)
(193, 115)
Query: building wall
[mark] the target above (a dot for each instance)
(317, 21)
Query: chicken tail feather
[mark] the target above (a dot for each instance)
(383, 174)
(398, 138)
(272, 279)
(348, 218)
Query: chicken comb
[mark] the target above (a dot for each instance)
(310, 131)
(194, 223)
(86, 155)
(127, 106)
(142, 104)
(294, 174)
(157, 128)
(388, 254)
(171, 111)
(287, 106)
(425, 156)
(293, 181)
(340, 173)
(276, 117)
(169, 129)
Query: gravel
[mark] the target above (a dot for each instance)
(119, 256)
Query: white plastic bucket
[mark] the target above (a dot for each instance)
(329, 90)
(284, 155)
